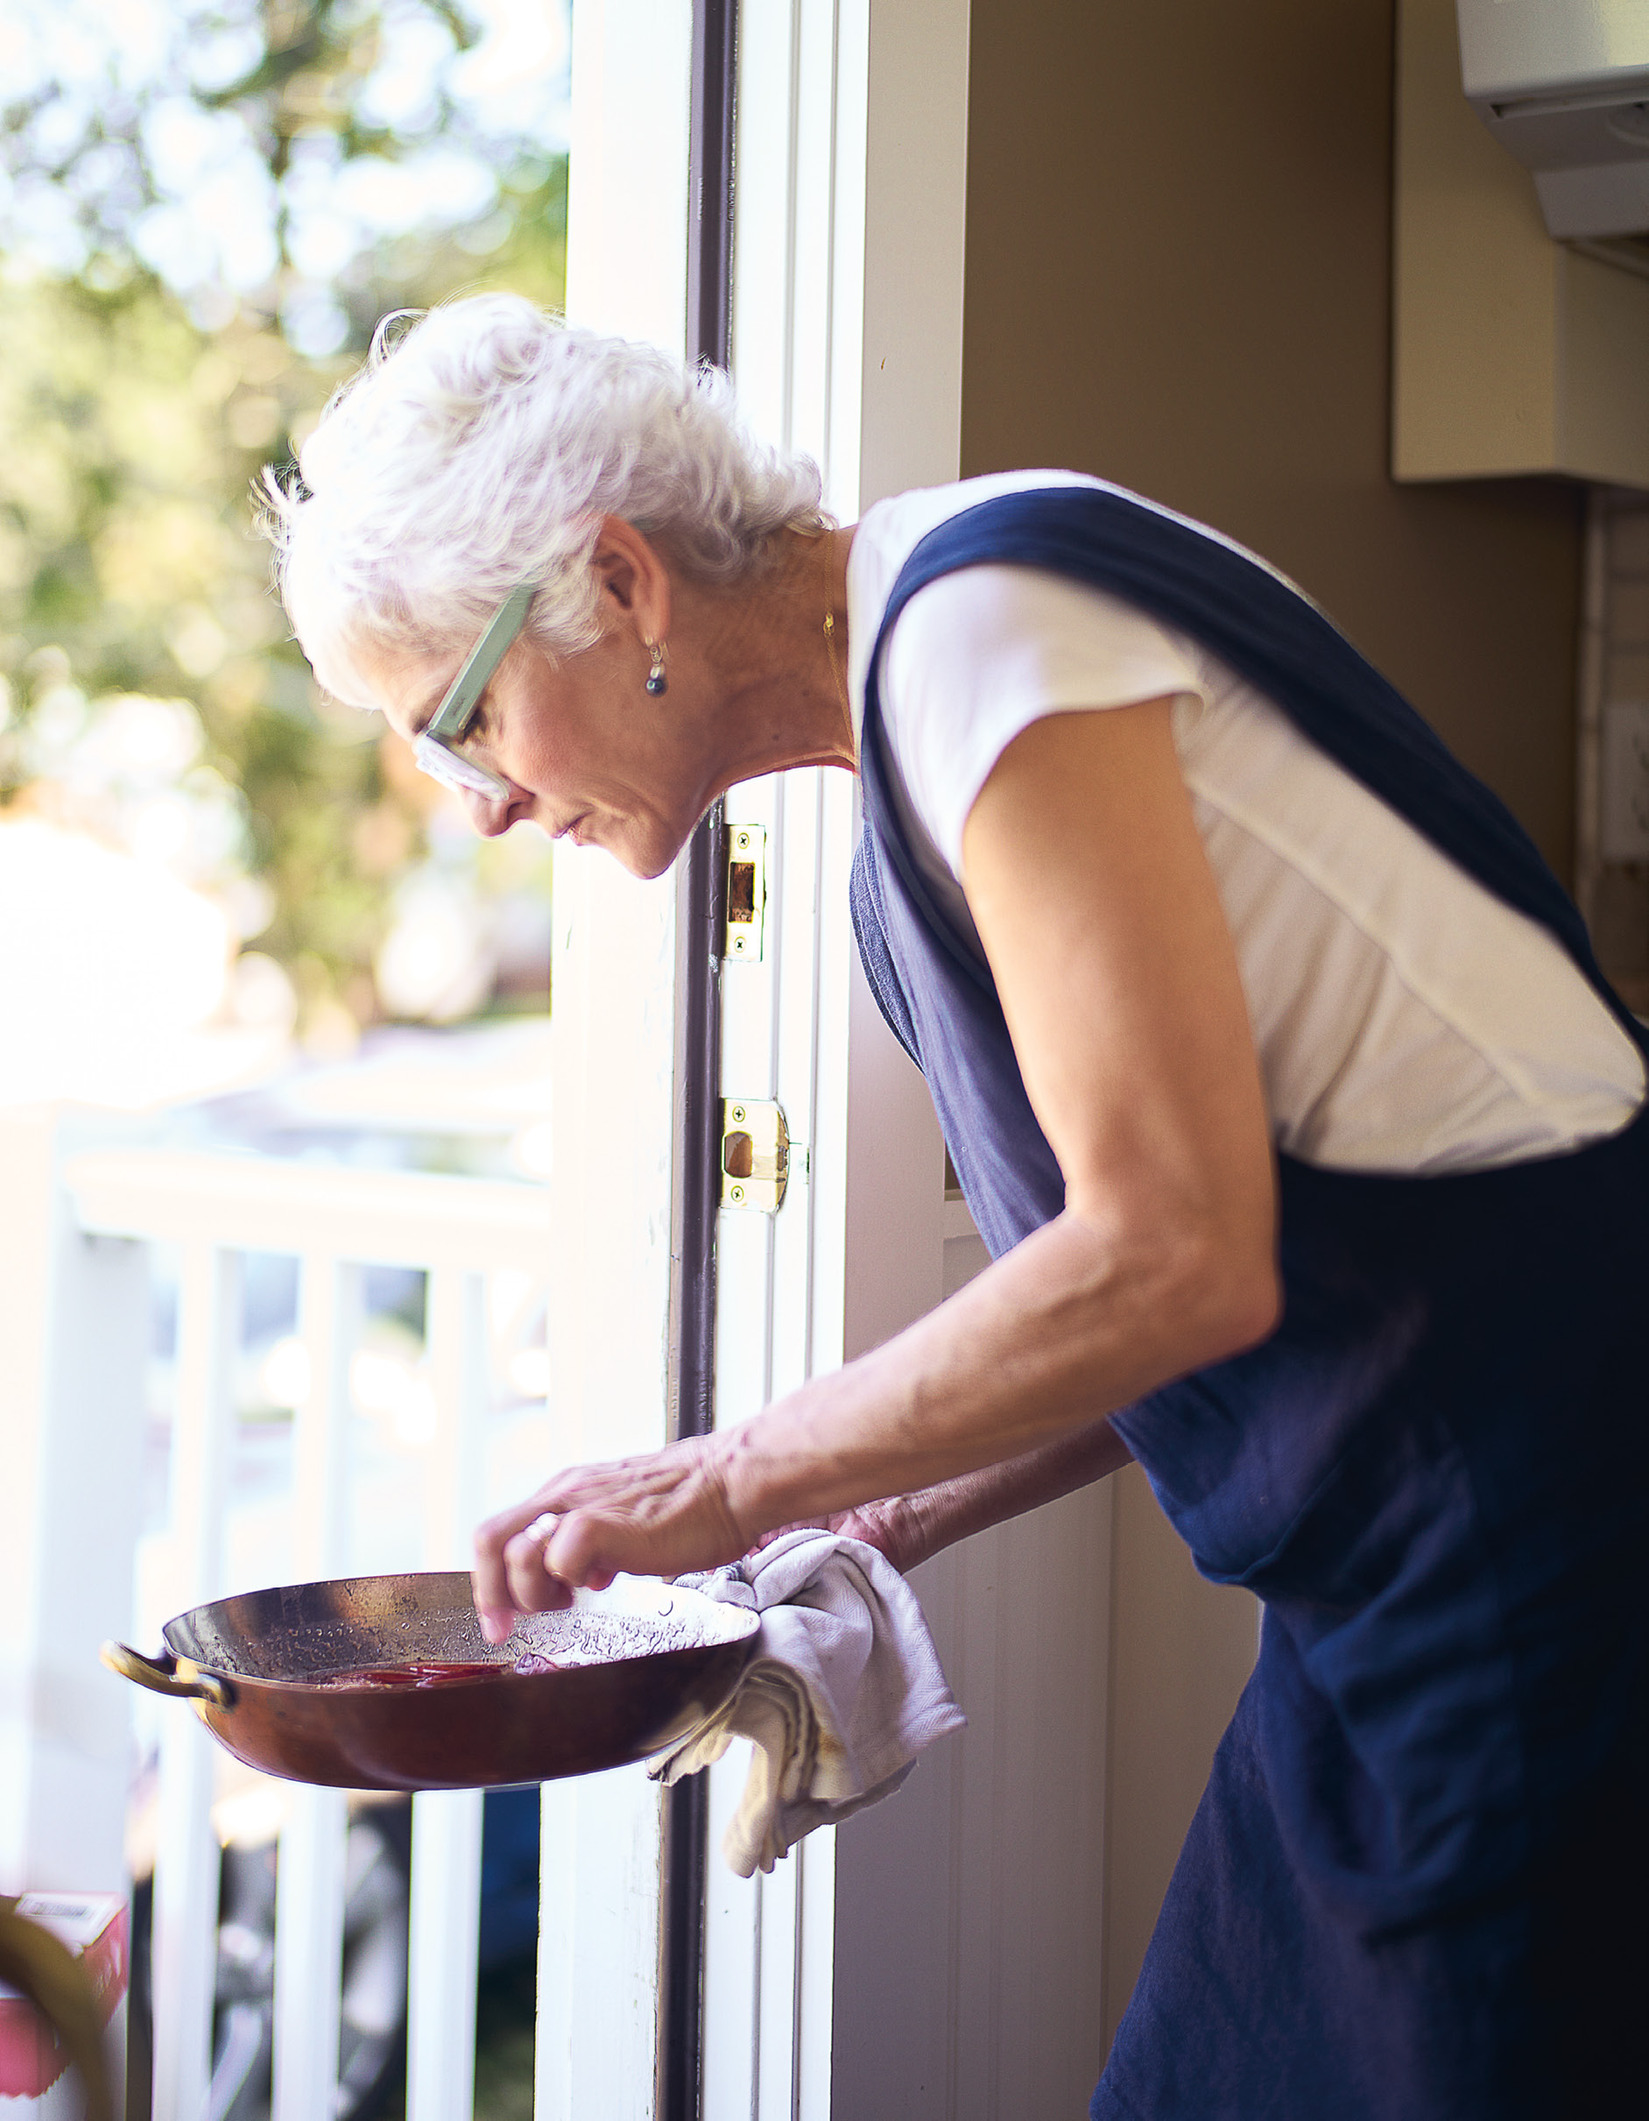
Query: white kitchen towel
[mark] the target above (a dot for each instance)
(843, 1690)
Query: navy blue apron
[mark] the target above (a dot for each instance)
(1417, 1886)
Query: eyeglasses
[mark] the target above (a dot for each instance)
(435, 751)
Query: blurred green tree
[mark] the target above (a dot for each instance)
(199, 229)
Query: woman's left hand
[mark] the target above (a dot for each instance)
(657, 1515)
(890, 1526)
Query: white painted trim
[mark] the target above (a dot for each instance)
(309, 1936)
(72, 1309)
(442, 1938)
(915, 241)
(612, 1057)
(627, 168)
(186, 1852)
(797, 308)
(310, 1876)
(967, 1911)
(392, 1218)
(851, 158)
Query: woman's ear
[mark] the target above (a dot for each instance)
(634, 581)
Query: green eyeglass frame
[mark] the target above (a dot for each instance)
(435, 751)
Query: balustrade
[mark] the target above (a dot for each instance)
(99, 1206)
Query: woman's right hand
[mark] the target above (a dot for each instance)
(656, 1515)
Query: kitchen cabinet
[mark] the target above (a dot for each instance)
(1513, 354)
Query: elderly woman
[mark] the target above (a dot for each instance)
(1306, 1135)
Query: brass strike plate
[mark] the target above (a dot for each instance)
(755, 1154)
(746, 891)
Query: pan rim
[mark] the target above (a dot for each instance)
(629, 1597)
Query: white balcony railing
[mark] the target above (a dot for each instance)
(77, 1226)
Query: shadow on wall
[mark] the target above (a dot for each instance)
(1185, 285)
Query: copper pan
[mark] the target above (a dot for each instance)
(644, 1664)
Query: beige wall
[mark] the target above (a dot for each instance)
(1178, 276)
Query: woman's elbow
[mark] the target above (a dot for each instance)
(1251, 1306)
(1205, 1275)
(1225, 1289)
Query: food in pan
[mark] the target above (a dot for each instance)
(436, 1673)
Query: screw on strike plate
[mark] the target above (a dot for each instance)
(735, 1194)
(746, 895)
(736, 1115)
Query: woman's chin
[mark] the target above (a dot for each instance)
(645, 843)
(645, 849)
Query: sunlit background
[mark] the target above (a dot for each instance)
(205, 866)
(229, 909)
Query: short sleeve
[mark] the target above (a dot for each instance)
(979, 655)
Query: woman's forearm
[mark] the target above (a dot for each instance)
(935, 1518)
(1015, 1372)
(1071, 1325)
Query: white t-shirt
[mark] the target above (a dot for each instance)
(1405, 1018)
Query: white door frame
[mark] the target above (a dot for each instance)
(940, 1958)
(847, 342)
(613, 986)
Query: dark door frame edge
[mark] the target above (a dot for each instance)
(696, 1147)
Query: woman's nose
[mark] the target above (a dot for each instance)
(490, 815)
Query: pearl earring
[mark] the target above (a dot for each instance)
(657, 682)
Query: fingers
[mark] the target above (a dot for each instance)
(657, 1515)
(534, 1586)
(510, 1575)
(535, 1567)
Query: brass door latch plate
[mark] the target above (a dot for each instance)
(746, 892)
(755, 1154)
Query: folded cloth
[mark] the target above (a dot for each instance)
(842, 1691)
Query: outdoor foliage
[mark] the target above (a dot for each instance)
(199, 233)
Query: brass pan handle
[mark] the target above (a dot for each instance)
(160, 1676)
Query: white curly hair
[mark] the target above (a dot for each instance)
(478, 449)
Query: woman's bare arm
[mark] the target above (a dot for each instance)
(910, 1529)
(1117, 975)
